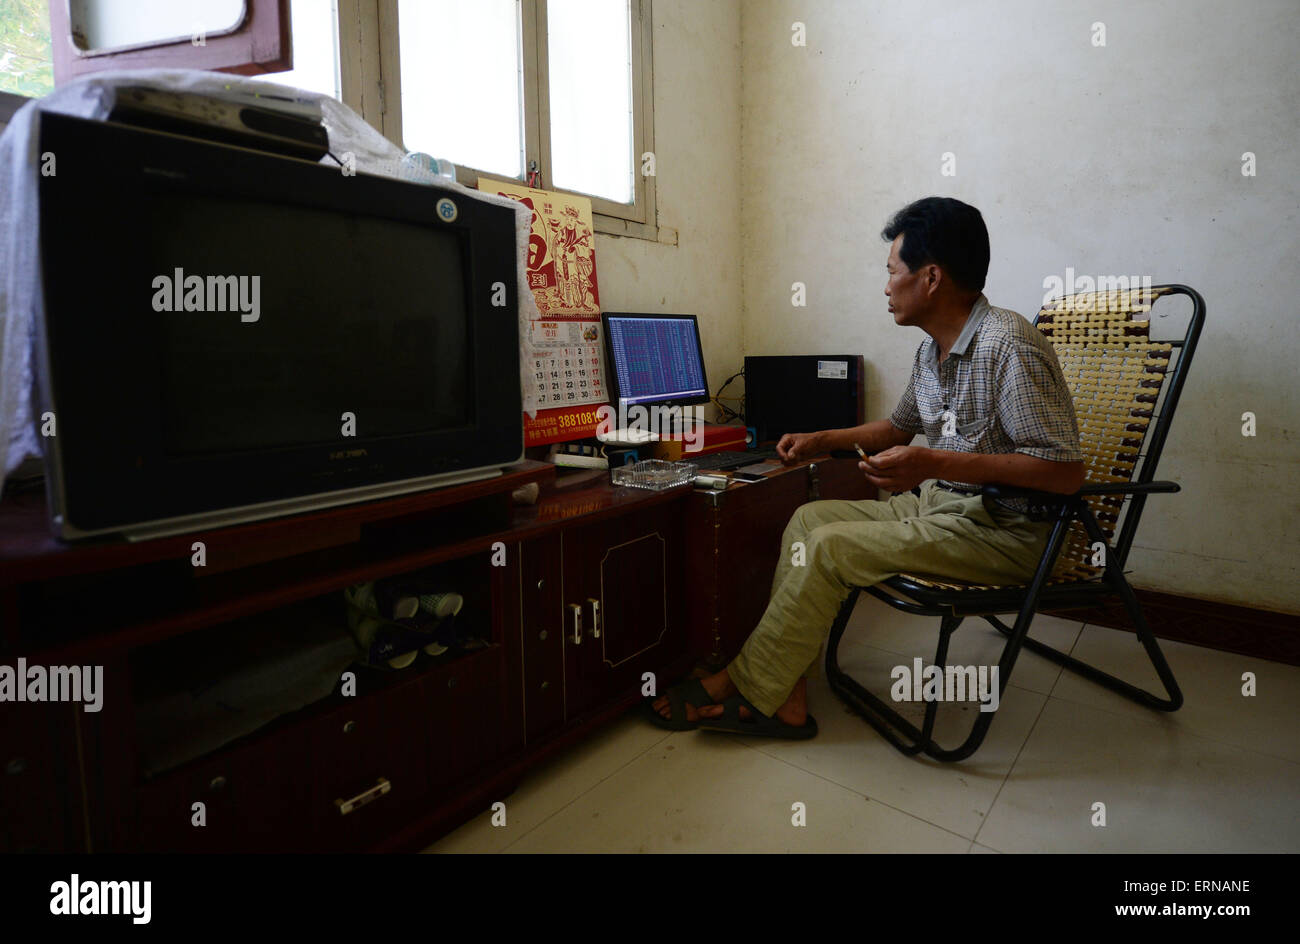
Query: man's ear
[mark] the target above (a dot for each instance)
(933, 278)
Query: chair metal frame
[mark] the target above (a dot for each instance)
(954, 605)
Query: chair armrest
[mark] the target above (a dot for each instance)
(1130, 488)
(1101, 488)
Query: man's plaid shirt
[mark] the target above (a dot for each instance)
(1003, 385)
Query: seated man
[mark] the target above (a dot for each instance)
(988, 393)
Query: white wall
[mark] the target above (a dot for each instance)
(697, 142)
(1117, 160)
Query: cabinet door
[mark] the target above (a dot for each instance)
(467, 725)
(40, 784)
(622, 604)
(540, 630)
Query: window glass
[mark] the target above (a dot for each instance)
(113, 24)
(462, 82)
(26, 62)
(590, 63)
(315, 48)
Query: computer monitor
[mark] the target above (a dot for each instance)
(654, 360)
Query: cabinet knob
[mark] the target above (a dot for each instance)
(541, 583)
(542, 635)
(349, 727)
(595, 617)
(217, 783)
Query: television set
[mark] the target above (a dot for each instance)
(226, 334)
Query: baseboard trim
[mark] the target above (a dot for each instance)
(1224, 626)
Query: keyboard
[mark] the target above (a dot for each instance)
(727, 460)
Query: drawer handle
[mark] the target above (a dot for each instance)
(366, 796)
(576, 610)
(595, 617)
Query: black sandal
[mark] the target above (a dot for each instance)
(684, 692)
(760, 725)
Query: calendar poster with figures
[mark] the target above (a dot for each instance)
(563, 346)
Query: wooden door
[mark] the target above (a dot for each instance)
(622, 604)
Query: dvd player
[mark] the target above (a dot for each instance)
(273, 123)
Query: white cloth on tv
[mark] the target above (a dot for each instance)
(93, 97)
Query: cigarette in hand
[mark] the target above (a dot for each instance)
(859, 449)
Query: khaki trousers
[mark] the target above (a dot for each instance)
(831, 546)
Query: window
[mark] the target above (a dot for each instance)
(589, 61)
(507, 88)
(246, 36)
(315, 32)
(560, 89)
(26, 59)
(461, 83)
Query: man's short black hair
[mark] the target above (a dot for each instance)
(946, 232)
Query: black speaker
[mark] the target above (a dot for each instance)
(803, 393)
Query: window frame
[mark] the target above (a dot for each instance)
(258, 44)
(639, 219)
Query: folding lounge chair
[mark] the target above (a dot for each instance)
(1116, 375)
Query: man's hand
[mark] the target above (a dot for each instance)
(795, 447)
(899, 468)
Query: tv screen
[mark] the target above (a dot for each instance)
(365, 316)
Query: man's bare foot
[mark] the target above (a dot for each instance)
(719, 686)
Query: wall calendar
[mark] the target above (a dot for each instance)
(563, 346)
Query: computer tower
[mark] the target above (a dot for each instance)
(802, 393)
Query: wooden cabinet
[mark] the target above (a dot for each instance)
(348, 773)
(601, 604)
(576, 598)
(734, 538)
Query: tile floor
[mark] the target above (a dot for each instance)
(1222, 774)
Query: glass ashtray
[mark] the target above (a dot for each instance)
(654, 474)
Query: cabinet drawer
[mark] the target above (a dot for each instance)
(253, 800)
(368, 771)
(40, 783)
